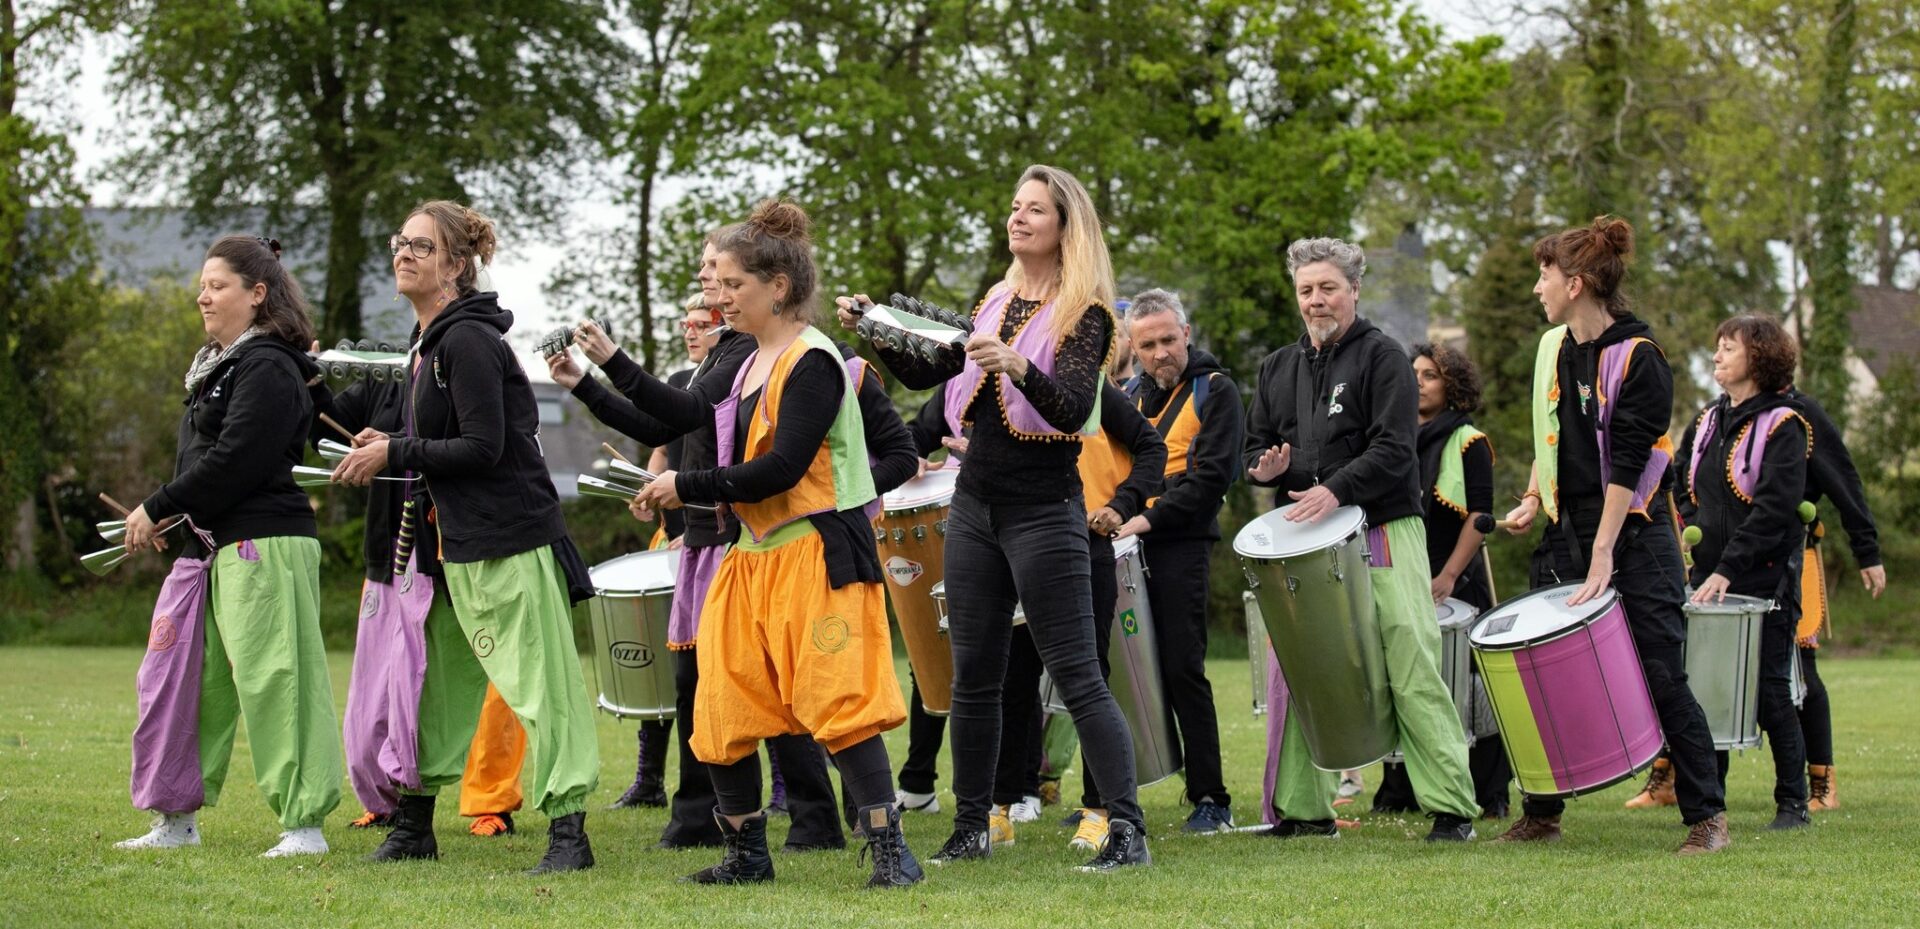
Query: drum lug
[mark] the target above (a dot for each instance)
(940, 526)
(919, 533)
(1339, 576)
(879, 534)
(1253, 583)
(899, 535)
(1293, 585)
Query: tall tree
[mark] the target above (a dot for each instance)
(342, 114)
(1830, 333)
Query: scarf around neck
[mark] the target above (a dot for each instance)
(211, 354)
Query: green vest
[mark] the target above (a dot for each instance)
(1451, 488)
(1546, 420)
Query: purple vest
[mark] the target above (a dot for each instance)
(1613, 373)
(1749, 450)
(1035, 341)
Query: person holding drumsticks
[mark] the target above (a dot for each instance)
(509, 565)
(1334, 422)
(254, 541)
(1602, 402)
(1029, 386)
(793, 636)
(1742, 469)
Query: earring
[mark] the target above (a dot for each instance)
(776, 308)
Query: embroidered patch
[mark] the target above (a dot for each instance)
(369, 602)
(1333, 402)
(1586, 394)
(163, 634)
(1130, 624)
(831, 634)
(903, 571)
(482, 642)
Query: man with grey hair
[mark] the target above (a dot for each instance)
(1334, 423)
(1195, 408)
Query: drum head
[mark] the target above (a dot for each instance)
(935, 488)
(1124, 547)
(1271, 536)
(1733, 605)
(1454, 613)
(1537, 617)
(638, 573)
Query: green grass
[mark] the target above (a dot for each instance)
(65, 716)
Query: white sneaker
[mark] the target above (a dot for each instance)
(1026, 811)
(170, 830)
(306, 841)
(916, 803)
(1351, 784)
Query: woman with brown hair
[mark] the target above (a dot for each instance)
(509, 566)
(249, 572)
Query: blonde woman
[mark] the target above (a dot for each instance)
(1029, 389)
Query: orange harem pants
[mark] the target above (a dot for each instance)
(491, 783)
(782, 652)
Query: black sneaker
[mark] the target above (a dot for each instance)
(1209, 817)
(1126, 846)
(412, 835)
(640, 794)
(567, 846)
(893, 862)
(1791, 816)
(1072, 820)
(746, 860)
(1450, 828)
(963, 845)
(1295, 828)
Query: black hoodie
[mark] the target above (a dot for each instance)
(1351, 412)
(244, 430)
(477, 438)
(380, 405)
(1641, 414)
(1750, 543)
(1197, 486)
(1831, 474)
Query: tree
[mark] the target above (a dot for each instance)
(342, 115)
(1830, 333)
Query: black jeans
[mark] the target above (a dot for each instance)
(1779, 718)
(1816, 716)
(1651, 583)
(1017, 774)
(925, 733)
(1106, 590)
(1177, 588)
(1034, 554)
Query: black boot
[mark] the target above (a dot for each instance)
(567, 848)
(1126, 847)
(893, 861)
(647, 788)
(1790, 816)
(412, 835)
(746, 860)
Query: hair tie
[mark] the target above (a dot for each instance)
(273, 245)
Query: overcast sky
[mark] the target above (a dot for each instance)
(523, 267)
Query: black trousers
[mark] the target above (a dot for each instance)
(1106, 590)
(690, 815)
(925, 734)
(1017, 774)
(1779, 718)
(1651, 582)
(1816, 714)
(1035, 555)
(1177, 588)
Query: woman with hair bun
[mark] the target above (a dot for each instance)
(793, 635)
(1029, 387)
(249, 573)
(1602, 402)
(472, 436)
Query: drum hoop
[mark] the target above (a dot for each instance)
(912, 508)
(1283, 559)
(631, 593)
(1543, 638)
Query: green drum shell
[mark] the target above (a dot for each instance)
(1257, 649)
(1722, 654)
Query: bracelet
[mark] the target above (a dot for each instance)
(1534, 494)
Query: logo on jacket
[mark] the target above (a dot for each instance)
(1333, 402)
(1586, 393)
(831, 634)
(903, 572)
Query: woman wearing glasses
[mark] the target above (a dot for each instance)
(508, 563)
(249, 573)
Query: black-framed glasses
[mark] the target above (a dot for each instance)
(421, 247)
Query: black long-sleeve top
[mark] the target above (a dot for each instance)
(381, 406)
(1642, 412)
(1831, 474)
(1444, 523)
(1002, 467)
(1748, 543)
(244, 429)
(1351, 411)
(1190, 505)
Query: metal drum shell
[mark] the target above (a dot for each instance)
(1455, 618)
(1318, 610)
(911, 538)
(628, 620)
(1258, 645)
(1722, 655)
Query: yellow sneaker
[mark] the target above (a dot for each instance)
(1092, 834)
(999, 827)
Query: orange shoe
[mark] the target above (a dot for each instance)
(488, 825)
(1659, 788)
(372, 820)
(1820, 793)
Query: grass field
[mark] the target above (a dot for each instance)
(66, 714)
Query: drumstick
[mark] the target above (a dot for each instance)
(615, 452)
(336, 427)
(115, 505)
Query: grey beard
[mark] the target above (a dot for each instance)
(1322, 331)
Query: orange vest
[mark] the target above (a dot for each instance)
(1178, 425)
(838, 478)
(1104, 466)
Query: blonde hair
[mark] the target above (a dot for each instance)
(1086, 273)
(466, 233)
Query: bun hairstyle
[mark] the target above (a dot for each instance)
(775, 240)
(284, 312)
(1597, 253)
(465, 234)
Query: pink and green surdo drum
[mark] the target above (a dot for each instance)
(1567, 689)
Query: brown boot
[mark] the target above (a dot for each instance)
(1659, 789)
(1820, 793)
(1532, 829)
(1706, 836)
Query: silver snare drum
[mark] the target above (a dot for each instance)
(1456, 666)
(633, 599)
(1723, 667)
